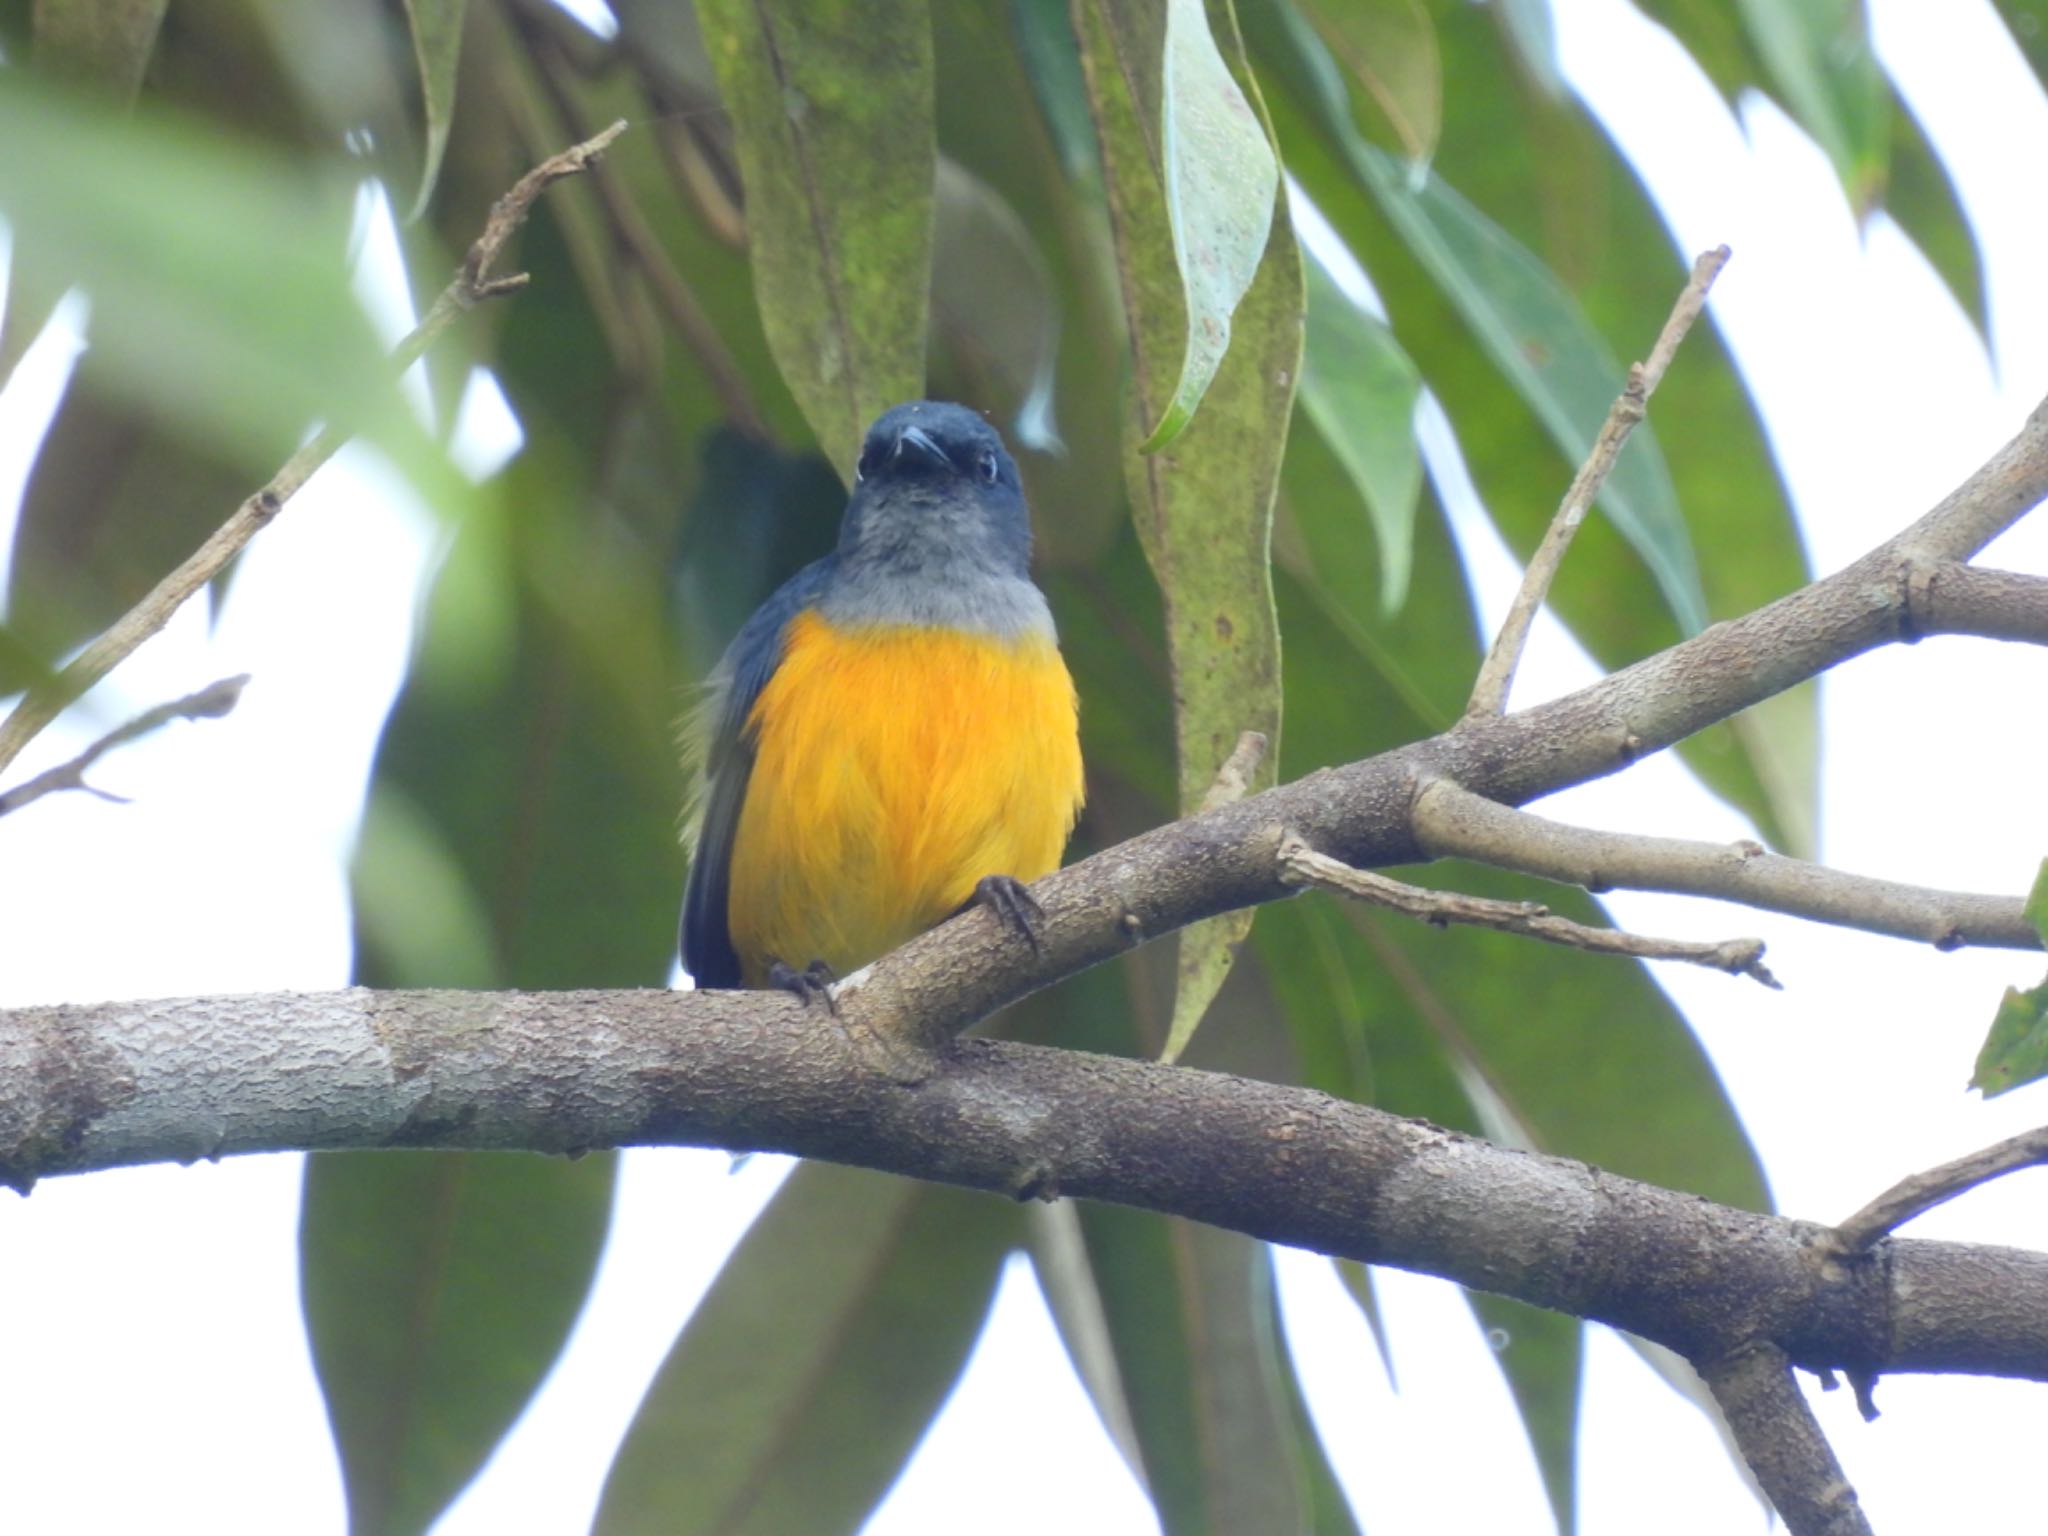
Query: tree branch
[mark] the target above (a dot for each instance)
(1963, 600)
(1531, 919)
(1783, 1444)
(472, 283)
(1497, 672)
(209, 703)
(123, 1083)
(1453, 823)
(1924, 1191)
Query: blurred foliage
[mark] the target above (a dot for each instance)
(2016, 1050)
(822, 208)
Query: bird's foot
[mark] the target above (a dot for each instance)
(1014, 906)
(812, 984)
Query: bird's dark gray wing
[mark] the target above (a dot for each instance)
(716, 739)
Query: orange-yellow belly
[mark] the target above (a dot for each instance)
(895, 766)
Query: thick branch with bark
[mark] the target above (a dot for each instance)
(117, 1083)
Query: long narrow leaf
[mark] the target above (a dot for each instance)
(1204, 510)
(831, 109)
(807, 1375)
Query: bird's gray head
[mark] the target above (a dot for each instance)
(936, 494)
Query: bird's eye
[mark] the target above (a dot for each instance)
(988, 467)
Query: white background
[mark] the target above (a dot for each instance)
(155, 1372)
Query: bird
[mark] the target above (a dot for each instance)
(893, 735)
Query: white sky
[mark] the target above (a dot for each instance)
(155, 1365)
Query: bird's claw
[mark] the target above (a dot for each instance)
(812, 984)
(1014, 906)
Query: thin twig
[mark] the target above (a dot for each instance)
(1234, 778)
(471, 284)
(1302, 865)
(1450, 822)
(1497, 673)
(642, 248)
(1783, 1444)
(1924, 1191)
(209, 703)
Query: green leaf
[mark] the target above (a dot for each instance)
(1360, 389)
(1193, 158)
(2037, 902)
(1358, 1281)
(807, 1375)
(116, 497)
(1328, 1511)
(438, 1289)
(1170, 1324)
(1188, 1316)
(227, 338)
(993, 307)
(1389, 47)
(1203, 511)
(2027, 20)
(1013, 109)
(1923, 199)
(415, 908)
(1819, 57)
(1542, 169)
(2015, 1052)
(1539, 1352)
(102, 43)
(1537, 336)
(437, 46)
(1814, 58)
(831, 105)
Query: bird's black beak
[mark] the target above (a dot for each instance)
(921, 443)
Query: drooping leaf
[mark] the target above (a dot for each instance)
(1536, 335)
(1389, 48)
(1203, 511)
(993, 308)
(1921, 196)
(1814, 58)
(806, 1376)
(2015, 1052)
(1540, 1353)
(1765, 760)
(229, 338)
(1822, 65)
(1169, 1323)
(437, 46)
(438, 1289)
(840, 234)
(1327, 1511)
(1199, 143)
(1360, 389)
(2027, 21)
(1013, 110)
